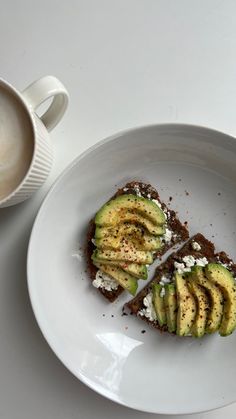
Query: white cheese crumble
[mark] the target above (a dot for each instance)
(162, 293)
(196, 246)
(105, 281)
(188, 262)
(164, 280)
(94, 241)
(201, 261)
(180, 267)
(167, 236)
(149, 310)
(226, 265)
(137, 190)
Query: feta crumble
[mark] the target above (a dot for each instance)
(188, 262)
(167, 236)
(180, 267)
(162, 292)
(137, 191)
(94, 241)
(196, 246)
(164, 280)
(149, 310)
(201, 261)
(105, 281)
(226, 265)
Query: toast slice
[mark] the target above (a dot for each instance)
(175, 232)
(197, 250)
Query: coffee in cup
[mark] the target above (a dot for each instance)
(16, 142)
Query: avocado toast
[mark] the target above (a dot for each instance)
(126, 235)
(193, 292)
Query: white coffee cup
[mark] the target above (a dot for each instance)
(25, 148)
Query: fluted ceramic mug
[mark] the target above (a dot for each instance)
(25, 147)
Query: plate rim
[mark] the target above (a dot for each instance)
(58, 179)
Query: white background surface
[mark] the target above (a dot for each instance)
(125, 63)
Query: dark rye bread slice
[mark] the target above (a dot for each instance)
(180, 232)
(167, 269)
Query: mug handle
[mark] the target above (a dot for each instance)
(41, 90)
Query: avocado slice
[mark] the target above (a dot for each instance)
(125, 255)
(130, 208)
(138, 271)
(159, 305)
(146, 242)
(220, 276)
(170, 300)
(187, 308)
(201, 298)
(216, 300)
(125, 280)
(125, 229)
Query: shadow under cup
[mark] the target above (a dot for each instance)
(16, 141)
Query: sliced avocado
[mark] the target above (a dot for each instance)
(138, 271)
(220, 276)
(125, 229)
(186, 306)
(125, 255)
(159, 305)
(201, 298)
(130, 208)
(146, 242)
(125, 280)
(216, 300)
(170, 300)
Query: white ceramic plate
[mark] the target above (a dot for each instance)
(146, 371)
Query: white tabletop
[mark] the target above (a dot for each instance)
(125, 63)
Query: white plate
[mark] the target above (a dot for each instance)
(146, 371)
